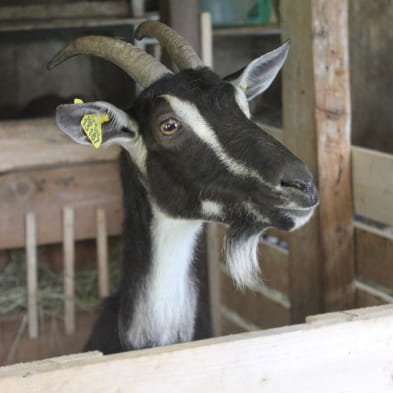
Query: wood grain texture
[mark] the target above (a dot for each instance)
(373, 184)
(46, 192)
(253, 306)
(374, 258)
(51, 342)
(39, 142)
(69, 269)
(328, 355)
(102, 254)
(330, 47)
(300, 137)
(32, 276)
(371, 73)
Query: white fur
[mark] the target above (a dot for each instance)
(242, 260)
(166, 305)
(189, 113)
(242, 101)
(212, 209)
(302, 219)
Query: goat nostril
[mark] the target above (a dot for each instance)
(302, 185)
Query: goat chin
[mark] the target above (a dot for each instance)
(241, 250)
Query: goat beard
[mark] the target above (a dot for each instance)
(241, 250)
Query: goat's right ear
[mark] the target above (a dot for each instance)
(257, 76)
(117, 126)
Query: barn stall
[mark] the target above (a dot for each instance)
(54, 191)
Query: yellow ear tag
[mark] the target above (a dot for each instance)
(244, 86)
(91, 125)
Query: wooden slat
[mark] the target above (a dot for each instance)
(373, 184)
(263, 308)
(300, 138)
(102, 254)
(63, 10)
(83, 187)
(309, 356)
(367, 295)
(69, 268)
(233, 323)
(206, 39)
(39, 142)
(333, 124)
(51, 341)
(275, 267)
(374, 257)
(31, 261)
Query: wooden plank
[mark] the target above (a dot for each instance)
(275, 267)
(259, 30)
(233, 323)
(69, 269)
(80, 9)
(333, 124)
(39, 142)
(373, 184)
(9, 26)
(46, 192)
(206, 39)
(32, 277)
(371, 79)
(102, 254)
(51, 342)
(308, 355)
(374, 257)
(367, 295)
(300, 137)
(262, 307)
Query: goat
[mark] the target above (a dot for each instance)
(191, 154)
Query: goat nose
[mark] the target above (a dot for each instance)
(305, 186)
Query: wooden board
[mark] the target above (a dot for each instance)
(373, 184)
(51, 342)
(350, 352)
(374, 257)
(332, 108)
(78, 9)
(262, 307)
(300, 137)
(39, 142)
(45, 192)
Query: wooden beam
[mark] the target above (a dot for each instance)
(300, 137)
(330, 46)
(373, 184)
(349, 352)
(32, 277)
(46, 192)
(39, 142)
(102, 254)
(69, 269)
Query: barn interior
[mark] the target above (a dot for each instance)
(60, 203)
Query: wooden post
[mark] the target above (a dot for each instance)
(102, 254)
(69, 262)
(316, 128)
(31, 260)
(333, 125)
(300, 137)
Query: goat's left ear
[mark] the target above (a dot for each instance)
(116, 126)
(258, 75)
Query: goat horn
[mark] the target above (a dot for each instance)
(178, 48)
(139, 65)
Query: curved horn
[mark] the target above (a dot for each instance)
(139, 65)
(178, 48)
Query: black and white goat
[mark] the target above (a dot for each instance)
(191, 155)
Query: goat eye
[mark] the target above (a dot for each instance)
(170, 126)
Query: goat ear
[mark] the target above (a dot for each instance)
(258, 75)
(116, 126)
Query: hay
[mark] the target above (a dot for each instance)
(13, 289)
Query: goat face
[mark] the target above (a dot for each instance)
(201, 157)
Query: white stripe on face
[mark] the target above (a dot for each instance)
(190, 114)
